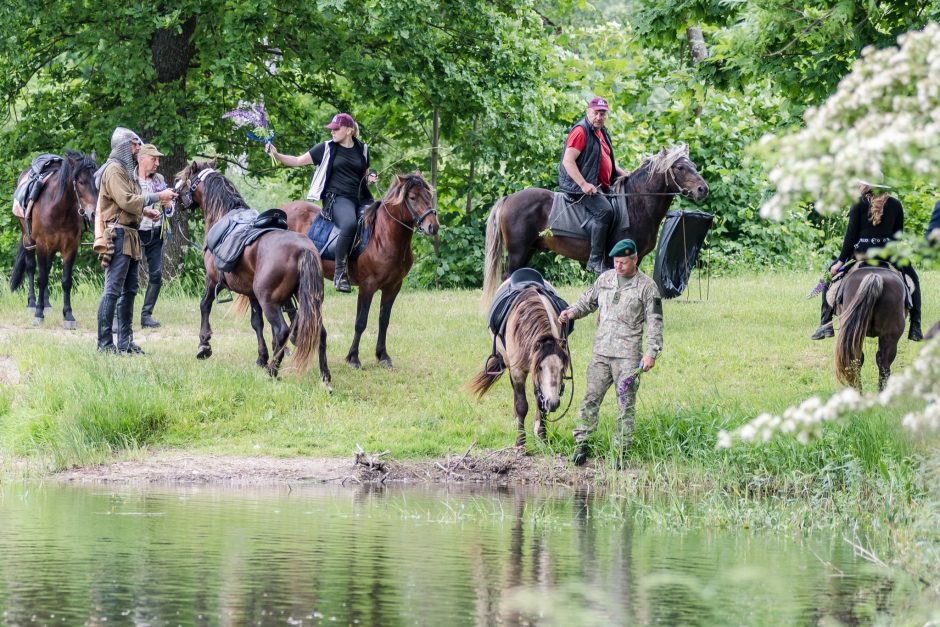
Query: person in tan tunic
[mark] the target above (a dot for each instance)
(121, 205)
(627, 301)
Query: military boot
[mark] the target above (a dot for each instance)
(581, 454)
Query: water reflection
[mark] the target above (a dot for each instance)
(377, 556)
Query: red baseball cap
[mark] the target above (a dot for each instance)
(340, 120)
(598, 103)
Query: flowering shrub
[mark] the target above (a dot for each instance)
(883, 119)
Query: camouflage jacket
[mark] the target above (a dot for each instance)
(623, 312)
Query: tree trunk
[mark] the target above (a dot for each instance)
(696, 44)
(171, 53)
(435, 146)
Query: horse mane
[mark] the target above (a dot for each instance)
(395, 195)
(658, 163)
(219, 194)
(532, 325)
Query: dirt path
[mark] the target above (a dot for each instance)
(500, 467)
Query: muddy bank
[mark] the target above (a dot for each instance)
(501, 467)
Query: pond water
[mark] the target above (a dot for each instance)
(401, 556)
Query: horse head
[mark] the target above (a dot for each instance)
(550, 363)
(411, 198)
(189, 183)
(682, 177)
(81, 169)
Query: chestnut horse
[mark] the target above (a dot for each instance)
(876, 308)
(275, 270)
(534, 344)
(517, 223)
(69, 197)
(407, 208)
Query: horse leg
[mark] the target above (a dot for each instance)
(42, 287)
(520, 405)
(362, 318)
(518, 258)
(324, 367)
(31, 280)
(887, 351)
(205, 330)
(68, 263)
(279, 334)
(257, 323)
(385, 315)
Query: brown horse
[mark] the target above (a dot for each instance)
(517, 223)
(876, 308)
(275, 270)
(69, 197)
(407, 208)
(534, 345)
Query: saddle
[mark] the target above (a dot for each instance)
(837, 287)
(236, 230)
(324, 233)
(509, 291)
(30, 186)
(569, 218)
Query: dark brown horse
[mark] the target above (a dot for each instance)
(69, 197)
(407, 208)
(275, 270)
(876, 308)
(534, 345)
(517, 223)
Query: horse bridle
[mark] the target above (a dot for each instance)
(418, 220)
(685, 193)
(186, 197)
(540, 398)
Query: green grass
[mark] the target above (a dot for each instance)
(742, 351)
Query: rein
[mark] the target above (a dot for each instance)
(564, 377)
(418, 220)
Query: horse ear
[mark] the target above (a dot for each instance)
(93, 157)
(213, 162)
(663, 152)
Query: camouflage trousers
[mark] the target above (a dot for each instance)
(602, 373)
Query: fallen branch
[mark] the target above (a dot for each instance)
(372, 462)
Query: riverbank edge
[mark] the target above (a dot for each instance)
(503, 467)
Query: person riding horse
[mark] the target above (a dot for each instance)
(874, 220)
(585, 172)
(341, 181)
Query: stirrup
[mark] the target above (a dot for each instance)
(227, 297)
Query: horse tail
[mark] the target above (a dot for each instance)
(855, 320)
(241, 305)
(493, 269)
(307, 322)
(19, 268)
(488, 375)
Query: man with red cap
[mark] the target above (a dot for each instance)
(585, 173)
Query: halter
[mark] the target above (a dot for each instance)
(186, 197)
(562, 337)
(418, 220)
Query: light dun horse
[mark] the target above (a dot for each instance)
(876, 308)
(277, 269)
(534, 345)
(69, 197)
(407, 208)
(516, 222)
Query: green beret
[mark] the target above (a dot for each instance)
(623, 248)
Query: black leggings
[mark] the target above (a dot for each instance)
(344, 215)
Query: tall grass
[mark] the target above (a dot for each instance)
(743, 351)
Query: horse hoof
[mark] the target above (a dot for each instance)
(261, 363)
(328, 386)
(354, 362)
(387, 363)
(204, 352)
(31, 311)
(37, 321)
(69, 324)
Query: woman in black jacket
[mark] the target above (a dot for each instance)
(874, 220)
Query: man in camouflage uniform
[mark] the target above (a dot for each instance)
(627, 300)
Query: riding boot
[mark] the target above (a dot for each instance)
(125, 316)
(150, 300)
(340, 275)
(915, 334)
(595, 262)
(105, 316)
(825, 320)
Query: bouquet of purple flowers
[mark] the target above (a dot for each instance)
(253, 115)
(625, 386)
(824, 282)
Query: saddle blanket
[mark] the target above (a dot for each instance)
(32, 182)
(509, 291)
(569, 218)
(323, 233)
(236, 230)
(834, 293)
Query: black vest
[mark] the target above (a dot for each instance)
(588, 162)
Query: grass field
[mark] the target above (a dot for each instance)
(742, 350)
